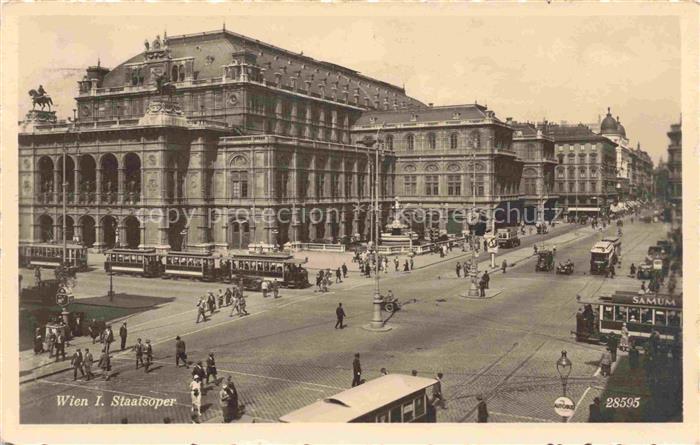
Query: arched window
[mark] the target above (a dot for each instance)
(454, 141)
(410, 142)
(475, 140)
(431, 141)
(182, 73)
(389, 142)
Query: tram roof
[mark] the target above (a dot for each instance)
(263, 256)
(602, 247)
(192, 254)
(355, 402)
(631, 298)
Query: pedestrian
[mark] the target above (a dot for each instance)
(224, 399)
(482, 287)
(196, 394)
(633, 270)
(458, 269)
(198, 371)
(612, 344)
(241, 306)
(504, 264)
(77, 362)
(411, 263)
(211, 369)
(356, 370)
(37, 276)
(487, 279)
(87, 364)
(148, 352)
(228, 295)
(482, 411)
(93, 331)
(104, 364)
(180, 352)
(60, 345)
(211, 302)
(594, 414)
(138, 348)
(265, 285)
(405, 266)
(414, 373)
(383, 372)
(122, 335)
(624, 337)
(201, 305)
(233, 398)
(437, 392)
(466, 267)
(605, 363)
(108, 337)
(633, 355)
(51, 343)
(554, 250)
(534, 248)
(340, 314)
(344, 268)
(338, 275)
(396, 264)
(221, 298)
(38, 341)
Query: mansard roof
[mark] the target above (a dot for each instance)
(212, 50)
(427, 114)
(580, 132)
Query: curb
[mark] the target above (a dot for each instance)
(35, 377)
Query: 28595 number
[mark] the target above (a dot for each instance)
(622, 402)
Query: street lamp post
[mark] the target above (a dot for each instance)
(377, 323)
(473, 291)
(564, 369)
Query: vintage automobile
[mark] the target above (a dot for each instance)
(390, 303)
(545, 260)
(645, 271)
(565, 268)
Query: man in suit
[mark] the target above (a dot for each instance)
(77, 362)
(356, 370)
(224, 399)
(594, 414)
(108, 338)
(211, 368)
(148, 352)
(60, 345)
(340, 314)
(87, 364)
(180, 352)
(139, 353)
(105, 364)
(122, 335)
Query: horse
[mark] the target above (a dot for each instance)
(41, 99)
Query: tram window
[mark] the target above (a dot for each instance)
(279, 270)
(121, 258)
(420, 406)
(383, 417)
(408, 412)
(634, 314)
(660, 318)
(674, 319)
(620, 313)
(607, 312)
(396, 415)
(646, 315)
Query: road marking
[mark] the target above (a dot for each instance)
(536, 419)
(578, 403)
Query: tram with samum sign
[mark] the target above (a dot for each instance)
(643, 314)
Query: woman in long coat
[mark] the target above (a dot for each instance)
(625, 337)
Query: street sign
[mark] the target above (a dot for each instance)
(564, 407)
(64, 296)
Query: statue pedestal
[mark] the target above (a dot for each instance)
(38, 117)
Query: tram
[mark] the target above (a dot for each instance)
(143, 262)
(643, 313)
(602, 257)
(51, 255)
(256, 268)
(393, 398)
(201, 266)
(616, 241)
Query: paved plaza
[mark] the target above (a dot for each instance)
(286, 354)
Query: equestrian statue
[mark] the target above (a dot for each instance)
(40, 97)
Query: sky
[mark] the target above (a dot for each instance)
(565, 68)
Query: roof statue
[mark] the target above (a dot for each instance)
(40, 97)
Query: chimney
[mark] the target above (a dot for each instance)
(509, 120)
(430, 105)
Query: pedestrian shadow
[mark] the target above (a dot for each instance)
(154, 369)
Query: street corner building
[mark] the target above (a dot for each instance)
(233, 142)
